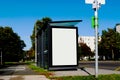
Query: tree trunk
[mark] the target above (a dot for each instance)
(112, 54)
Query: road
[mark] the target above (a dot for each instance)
(110, 65)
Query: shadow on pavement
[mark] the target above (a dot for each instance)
(17, 69)
(83, 69)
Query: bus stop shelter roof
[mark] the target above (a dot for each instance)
(65, 23)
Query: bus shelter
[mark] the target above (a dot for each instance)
(57, 44)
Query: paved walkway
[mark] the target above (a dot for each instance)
(23, 77)
(20, 72)
(83, 72)
(17, 70)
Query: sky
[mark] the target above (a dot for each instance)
(21, 15)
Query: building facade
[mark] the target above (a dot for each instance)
(118, 27)
(89, 40)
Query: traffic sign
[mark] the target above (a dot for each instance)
(93, 22)
(92, 1)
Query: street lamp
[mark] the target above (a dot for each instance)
(96, 4)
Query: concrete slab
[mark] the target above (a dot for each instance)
(84, 72)
(24, 77)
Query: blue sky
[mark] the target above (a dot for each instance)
(22, 14)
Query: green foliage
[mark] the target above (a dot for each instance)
(30, 53)
(38, 25)
(109, 44)
(11, 44)
(84, 50)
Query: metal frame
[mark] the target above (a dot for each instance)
(61, 67)
(42, 62)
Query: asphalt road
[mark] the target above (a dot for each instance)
(17, 70)
(110, 65)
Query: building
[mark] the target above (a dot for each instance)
(118, 27)
(89, 40)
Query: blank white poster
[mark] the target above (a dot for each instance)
(64, 48)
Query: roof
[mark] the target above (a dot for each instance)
(65, 23)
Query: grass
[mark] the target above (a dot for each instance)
(17, 63)
(109, 77)
(40, 70)
(11, 63)
(74, 78)
(117, 69)
(100, 77)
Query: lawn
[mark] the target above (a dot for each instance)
(100, 77)
(40, 70)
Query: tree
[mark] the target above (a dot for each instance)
(84, 50)
(11, 44)
(109, 44)
(30, 54)
(38, 25)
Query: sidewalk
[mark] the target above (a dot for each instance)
(20, 72)
(84, 72)
(79, 72)
(23, 77)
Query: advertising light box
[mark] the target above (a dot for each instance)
(64, 46)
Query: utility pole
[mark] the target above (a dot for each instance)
(96, 37)
(96, 4)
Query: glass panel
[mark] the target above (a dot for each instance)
(46, 49)
(39, 51)
(65, 23)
